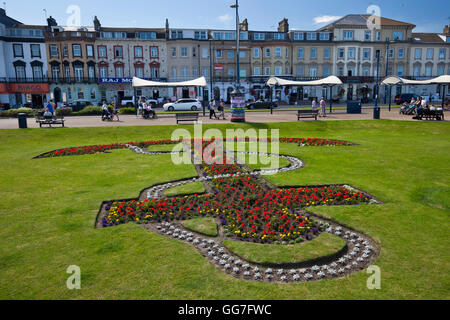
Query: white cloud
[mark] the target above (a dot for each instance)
(225, 18)
(325, 19)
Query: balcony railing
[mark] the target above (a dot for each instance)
(25, 80)
(72, 80)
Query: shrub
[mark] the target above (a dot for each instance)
(63, 111)
(89, 111)
(127, 111)
(12, 113)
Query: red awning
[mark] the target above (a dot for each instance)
(29, 88)
(3, 88)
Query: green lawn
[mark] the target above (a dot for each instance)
(324, 245)
(48, 208)
(186, 189)
(206, 226)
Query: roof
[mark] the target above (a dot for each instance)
(394, 80)
(361, 20)
(7, 21)
(427, 37)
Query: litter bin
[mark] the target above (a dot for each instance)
(354, 107)
(376, 113)
(22, 120)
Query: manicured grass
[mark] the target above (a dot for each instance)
(206, 226)
(324, 245)
(48, 208)
(186, 189)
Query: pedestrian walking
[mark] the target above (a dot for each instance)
(222, 110)
(323, 107)
(212, 109)
(314, 104)
(115, 111)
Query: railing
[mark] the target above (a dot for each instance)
(24, 80)
(73, 80)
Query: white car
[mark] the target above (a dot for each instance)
(183, 105)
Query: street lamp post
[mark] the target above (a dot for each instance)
(237, 98)
(376, 108)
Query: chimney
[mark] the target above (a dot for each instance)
(51, 22)
(167, 29)
(244, 25)
(97, 24)
(283, 25)
(447, 29)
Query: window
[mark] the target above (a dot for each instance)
(401, 53)
(174, 73)
(55, 73)
(35, 50)
(139, 72)
(351, 53)
(257, 71)
(154, 52)
(378, 36)
(80, 93)
(366, 71)
(366, 53)
(204, 53)
(326, 71)
(93, 94)
(300, 71)
(367, 35)
(230, 54)
(231, 72)
(340, 71)
(79, 73)
(184, 52)
(37, 72)
(348, 35)
(278, 36)
(194, 52)
(147, 35)
(177, 35)
(119, 72)
(440, 70)
(18, 50)
(313, 72)
(20, 72)
(391, 53)
(266, 71)
(118, 52)
(311, 36)
(200, 35)
(185, 73)
(205, 72)
(258, 36)
(243, 73)
(398, 36)
(428, 71)
(350, 71)
(195, 72)
(242, 54)
(278, 70)
(76, 50)
(138, 52)
(256, 53)
(104, 72)
(90, 51)
(67, 72)
(174, 52)
(430, 53)
(313, 53)
(326, 53)
(155, 73)
(442, 53)
(219, 54)
(278, 52)
(324, 36)
(267, 52)
(300, 53)
(418, 53)
(65, 51)
(91, 72)
(299, 36)
(399, 71)
(102, 53)
(416, 71)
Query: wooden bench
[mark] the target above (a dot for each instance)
(49, 121)
(307, 114)
(186, 117)
(433, 114)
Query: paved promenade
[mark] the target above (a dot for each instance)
(251, 117)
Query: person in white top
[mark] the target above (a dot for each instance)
(314, 104)
(323, 107)
(150, 111)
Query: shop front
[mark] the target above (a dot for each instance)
(32, 95)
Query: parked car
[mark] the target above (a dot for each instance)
(183, 105)
(78, 105)
(404, 97)
(261, 105)
(127, 102)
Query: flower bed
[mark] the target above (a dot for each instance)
(103, 148)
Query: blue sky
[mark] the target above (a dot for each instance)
(429, 15)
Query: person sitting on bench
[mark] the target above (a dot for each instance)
(150, 112)
(48, 114)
